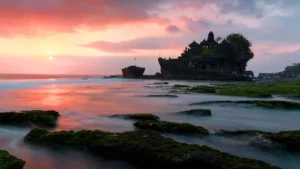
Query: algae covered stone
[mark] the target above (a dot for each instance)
(196, 112)
(8, 161)
(279, 104)
(137, 116)
(170, 127)
(163, 95)
(145, 149)
(289, 140)
(180, 86)
(204, 89)
(38, 118)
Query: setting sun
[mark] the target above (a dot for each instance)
(51, 57)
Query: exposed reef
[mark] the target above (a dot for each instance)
(289, 140)
(180, 86)
(171, 127)
(137, 116)
(144, 149)
(38, 118)
(164, 95)
(256, 90)
(197, 112)
(8, 161)
(203, 89)
(276, 104)
(161, 83)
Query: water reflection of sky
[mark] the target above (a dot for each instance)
(85, 104)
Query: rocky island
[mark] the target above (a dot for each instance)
(210, 60)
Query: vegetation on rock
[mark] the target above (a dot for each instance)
(38, 118)
(180, 86)
(165, 95)
(290, 140)
(209, 50)
(261, 90)
(170, 127)
(137, 116)
(197, 112)
(145, 149)
(261, 103)
(204, 89)
(293, 68)
(8, 161)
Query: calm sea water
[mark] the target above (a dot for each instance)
(86, 104)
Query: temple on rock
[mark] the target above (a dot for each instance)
(208, 60)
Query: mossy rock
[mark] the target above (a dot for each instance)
(163, 95)
(161, 83)
(197, 112)
(180, 86)
(289, 140)
(279, 104)
(204, 89)
(145, 149)
(256, 90)
(38, 118)
(8, 161)
(137, 116)
(240, 132)
(170, 127)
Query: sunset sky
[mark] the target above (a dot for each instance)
(103, 36)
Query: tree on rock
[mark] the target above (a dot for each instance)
(241, 44)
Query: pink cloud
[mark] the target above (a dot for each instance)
(151, 43)
(33, 17)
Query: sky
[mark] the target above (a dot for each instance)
(103, 36)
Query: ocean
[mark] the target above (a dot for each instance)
(88, 103)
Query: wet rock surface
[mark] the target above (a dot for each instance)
(197, 112)
(260, 103)
(8, 161)
(171, 127)
(136, 116)
(38, 118)
(145, 149)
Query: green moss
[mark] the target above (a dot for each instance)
(164, 95)
(180, 86)
(276, 104)
(170, 127)
(137, 116)
(260, 90)
(147, 149)
(38, 118)
(8, 161)
(209, 50)
(240, 132)
(204, 89)
(290, 140)
(197, 112)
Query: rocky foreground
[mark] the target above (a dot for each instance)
(8, 161)
(275, 104)
(145, 149)
(289, 140)
(37, 118)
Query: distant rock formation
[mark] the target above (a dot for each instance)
(210, 60)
